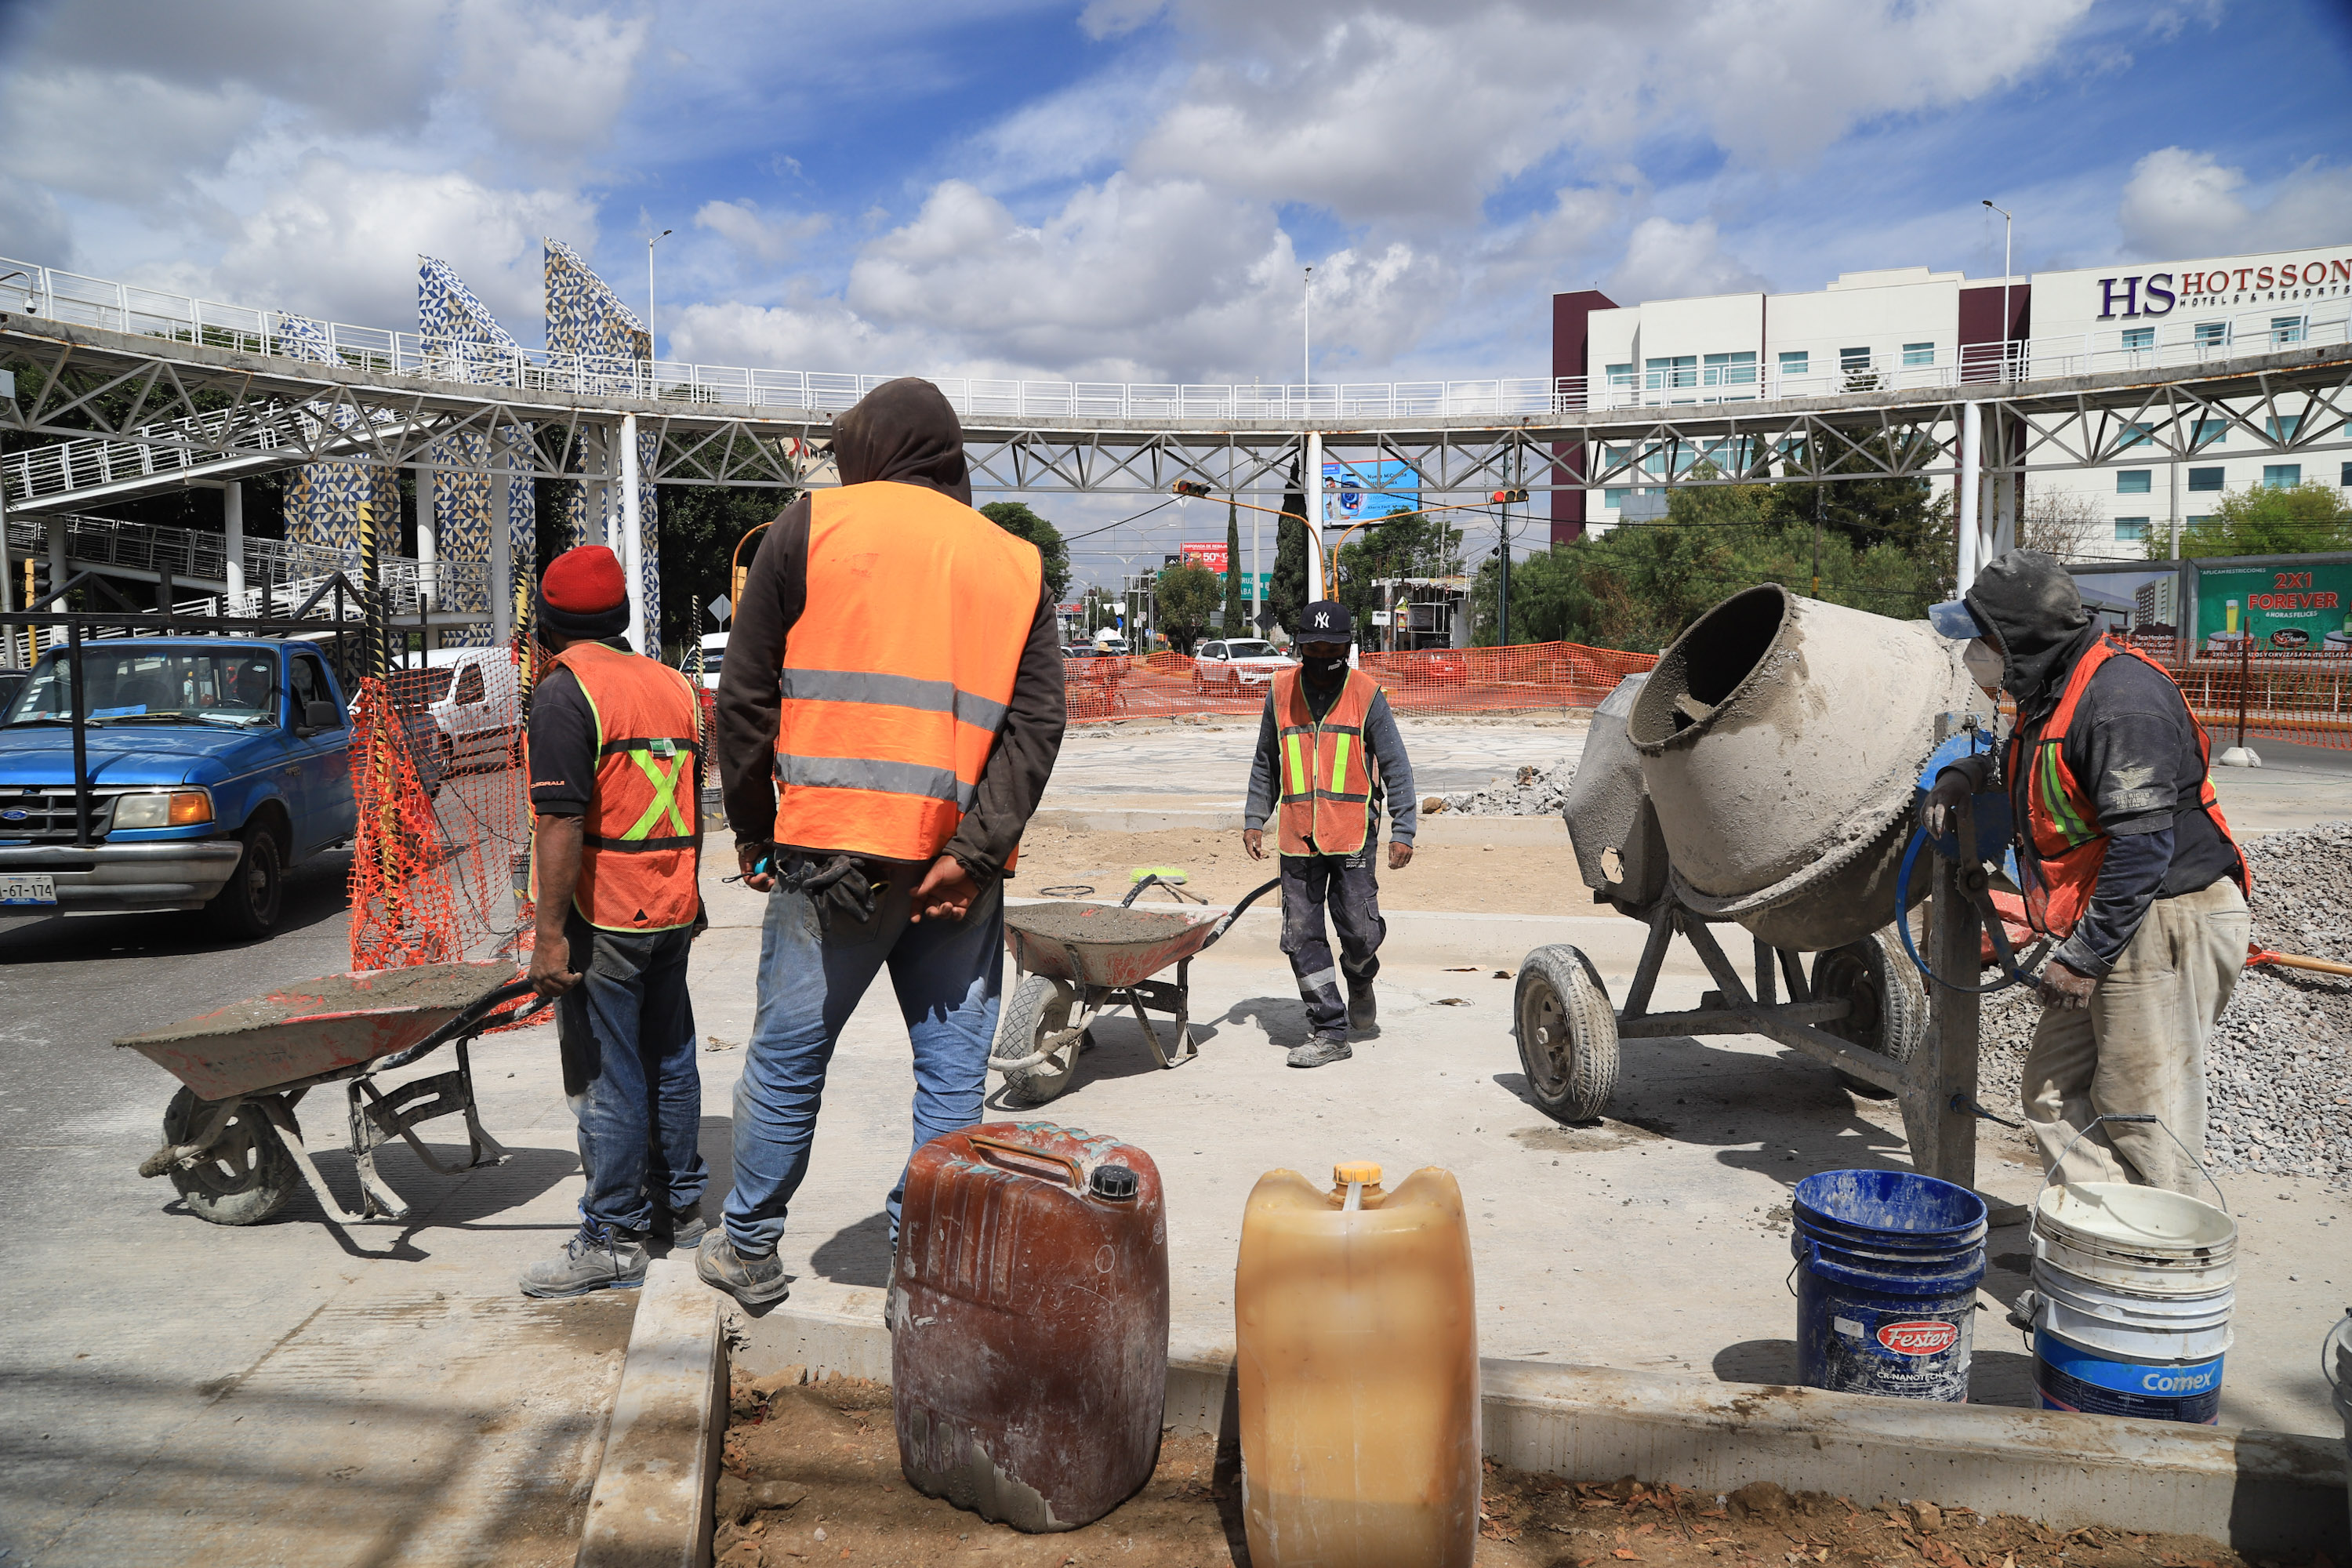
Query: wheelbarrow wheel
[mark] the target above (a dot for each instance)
(1039, 1009)
(1566, 1033)
(1890, 1005)
(245, 1177)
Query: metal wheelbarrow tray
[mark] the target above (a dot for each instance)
(1066, 968)
(231, 1144)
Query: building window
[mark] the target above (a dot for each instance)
(2140, 338)
(2281, 476)
(1678, 369)
(1620, 374)
(2130, 528)
(2347, 480)
(2287, 329)
(2132, 481)
(2205, 479)
(2209, 431)
(1794, 361)
(1854, 359)
(2282, 427)
(2134, 435)
(1614, 499)
(1918, 353)
(2212, 334)
(2200, 519)
(1729, 369)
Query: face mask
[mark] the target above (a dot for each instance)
(1984, 665)
(1323, 670)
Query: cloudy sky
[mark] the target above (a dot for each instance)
(1128, 189)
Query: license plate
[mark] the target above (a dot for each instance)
(27, 889)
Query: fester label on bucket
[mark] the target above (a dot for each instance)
(1920, 1337)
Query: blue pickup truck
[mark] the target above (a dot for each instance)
(214, 763)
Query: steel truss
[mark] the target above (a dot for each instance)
(177, 412)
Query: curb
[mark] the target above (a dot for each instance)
(651, 1507)
(2264, 1492)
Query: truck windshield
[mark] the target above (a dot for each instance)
(153, 685)
(1247, 649)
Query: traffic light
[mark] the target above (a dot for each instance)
(1503, 498)
(1188, 488)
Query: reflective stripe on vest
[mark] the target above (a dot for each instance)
(636, 846)
(898, 675)
(1327, 795)
(2063, 846)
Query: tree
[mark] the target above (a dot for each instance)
(1236, 602)
(1017, 520)
(1902, 513)
(1404, 544)
(2061, 522)
(1184, 594)
(700, 526)
(1287, 591)
(2296, 521)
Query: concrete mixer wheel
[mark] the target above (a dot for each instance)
(1566, 1033)
(1890, 1005)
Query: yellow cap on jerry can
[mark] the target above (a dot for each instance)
(1347, 1171)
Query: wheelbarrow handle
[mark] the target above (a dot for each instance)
(466, 1024)
(1234, 913)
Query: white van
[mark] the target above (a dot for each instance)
(474, 698)
(714, 648)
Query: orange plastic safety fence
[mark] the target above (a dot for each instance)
(2302, 698)
(1530, 676)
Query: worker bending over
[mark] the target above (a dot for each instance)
(616, 843)
(2124, 857)
(1329, 746)
(894, 668)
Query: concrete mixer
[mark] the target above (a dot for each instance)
(1766, 775)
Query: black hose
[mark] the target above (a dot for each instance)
(1234, 913)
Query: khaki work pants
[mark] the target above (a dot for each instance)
(2140, 1047)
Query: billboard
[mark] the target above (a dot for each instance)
(1357, 492)
(2288, 607)
(1212, 556)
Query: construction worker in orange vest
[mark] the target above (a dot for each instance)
(889, 709)
(2123, 856)
(617, 844)
(1329, 748)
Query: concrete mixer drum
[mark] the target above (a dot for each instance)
(1611, 826)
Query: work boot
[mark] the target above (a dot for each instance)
(684, 1227)
(1363, 1009)
(597, 1257)
(1320, 1050)
(754, 1282)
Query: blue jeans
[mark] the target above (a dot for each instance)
(947, 975)
(626, 1035)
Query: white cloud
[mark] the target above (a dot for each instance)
(46, 125)
(2181, 203)
(1669, 261)
(758, 234)
(548, 79)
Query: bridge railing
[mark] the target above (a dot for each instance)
(1829, 366)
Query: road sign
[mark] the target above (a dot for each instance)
(720, 608)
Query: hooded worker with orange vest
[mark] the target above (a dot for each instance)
(1329, 750)
(616, 846)
(889, 709)
(2124, 859)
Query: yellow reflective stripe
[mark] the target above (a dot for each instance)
(1297, 767)
(665, 797)
(1339, 764)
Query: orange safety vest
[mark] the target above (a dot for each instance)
(2063, 845)
(897, 676)
(637, 869)
(1325, 768)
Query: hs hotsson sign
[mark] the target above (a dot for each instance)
(2157, 293)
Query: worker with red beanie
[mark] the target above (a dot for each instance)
(617, 844)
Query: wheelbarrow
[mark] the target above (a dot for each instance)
(1069, 978)
(231, 1144)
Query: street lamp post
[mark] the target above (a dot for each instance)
(1306, 332)
(650, 243)
(2008, 226)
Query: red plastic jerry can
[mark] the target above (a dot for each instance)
(1029, 1322)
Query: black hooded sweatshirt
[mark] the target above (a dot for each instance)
(2132, 747)
(903, 432)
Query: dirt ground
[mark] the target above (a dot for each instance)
(1504, 875)
(812, 1476)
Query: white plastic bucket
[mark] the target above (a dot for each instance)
(2121, 1220)
(2335, 1364)
(2166, 1328)
(2137, 1272)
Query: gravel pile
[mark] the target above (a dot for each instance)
(1535, 792)
(2279, 1070)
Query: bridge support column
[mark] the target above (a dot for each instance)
(632, 538)
(428, 551)
(1968, 497)
(1313, 479)
(233, 541)
(502, 583)
(7, 589)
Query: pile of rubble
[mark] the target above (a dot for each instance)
(1534, 792)
(2279, 1072)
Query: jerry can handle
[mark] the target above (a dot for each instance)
(1023, 1161)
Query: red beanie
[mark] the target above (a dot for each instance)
(585, 581)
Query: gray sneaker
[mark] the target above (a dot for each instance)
(1320, 1050)
(754, 1282)
(686, 1226)
(1363, 1010)
(595, 1259)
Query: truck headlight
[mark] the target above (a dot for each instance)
(180, 808)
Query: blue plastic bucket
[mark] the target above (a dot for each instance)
(1887, 1268)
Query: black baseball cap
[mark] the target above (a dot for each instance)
(1325, 620)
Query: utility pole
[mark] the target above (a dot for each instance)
(2007, 225)
(650, 354)
(1306, 332)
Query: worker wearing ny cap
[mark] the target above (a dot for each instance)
(617, 844)
(2124, 859)
(1329, 750)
